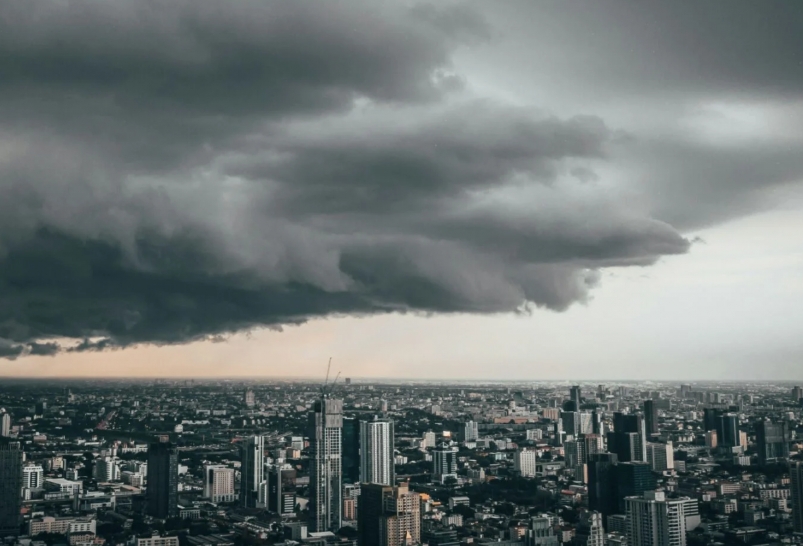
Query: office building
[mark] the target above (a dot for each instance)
(326, 443)
(525, 462)
(661, 457)
(162, 492)
(772, 441)
(796, 492)
(388, 516)
(350, 450)
(219, 483)
(249, 398)
(628, 438)
(728, 432)
(650, 417)
(589, 531)
(633, 479)
(652, 520)
(541, 532)
(5, 425)
(252, 471)
(575, 396)
(376, 452)
(282, 490)
(10, 487)
(106, 469)
(32, 476)
(469, 431)
(430, 440)
(602, 483)
(444, 463)
(797, 394)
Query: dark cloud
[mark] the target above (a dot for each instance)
(175, 171)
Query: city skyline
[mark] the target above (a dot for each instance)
(523, 191)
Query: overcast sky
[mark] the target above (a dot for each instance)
(515, 189)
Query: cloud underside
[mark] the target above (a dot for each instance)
(175, 171)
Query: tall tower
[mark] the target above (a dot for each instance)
(10, 487)
(162, 492)
(5, 425)
(575, 396)
(252, 470)
(326, 426)
(796, 475)
(773, 441)
(650, 417)
(351, 449)
(376, 452)
(654, 519)
(219, 483)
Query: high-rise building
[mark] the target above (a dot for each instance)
(326, 443)
(430, 440)
(589, 531)
(350, 451)
(444, 463)
(653, 519)
(633, 479)
(602, 483)
(32, 476)
(469, 431)
(621, 441)
(252, 471)
(541, 532)
(797, 394)
(5, 425)
(525, 462)
(728, 430)
(376, 452)
(162, 492)
(249, 398)
(106, 469)
(796, 490)
(661, 457)
(10, 487)
(773, 441)
(650, 417)
(281, 490)
(388, 516)
(575, 396)
(219, 483)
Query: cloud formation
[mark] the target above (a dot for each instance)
(171, 171)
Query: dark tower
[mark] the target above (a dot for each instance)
(10, 487)
(162, 493)
(650, 417)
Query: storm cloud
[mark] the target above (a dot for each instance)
(174, 171)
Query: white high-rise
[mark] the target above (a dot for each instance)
(661, 456)
(524, 462)
(654, 520)
(376, 452)
(32, 476)
(5, 425)
(326, 465)
(252, 471)
(219, 483)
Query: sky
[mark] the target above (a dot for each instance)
(468, 190)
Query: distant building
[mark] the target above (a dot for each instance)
(376, 452)
(158, 541)
(249, 398)
(589, 531)
(541, 532)
(661, 457)
(252, 468)
(219, 483)
(773, 441)
(444, 463)
(5, 425)
(282, 490)
(469, 431)
(162, 492)
(650, 417)
(653, 519)
(525, 462)
(796, 492)
(32, 476)
(388, 516)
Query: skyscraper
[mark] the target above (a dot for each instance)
(540, 532)
(219, 483)
(661, 456)
(628, 439)
(281, 490)
(5, 425)
(252, 471)
(10, 487)
(650, 417)
(602, 482)
(653, 519)
(326, 426)
(376, 452)
(575, 396)
(162, 492)
(632, 479)
(728, 430)
(796, 486)
(444, 463)
(469, 431)
(351, 449)
(589, 531)
(773, 441)
(388, 516)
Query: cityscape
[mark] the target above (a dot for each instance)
(363, 463)
(401, 272)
